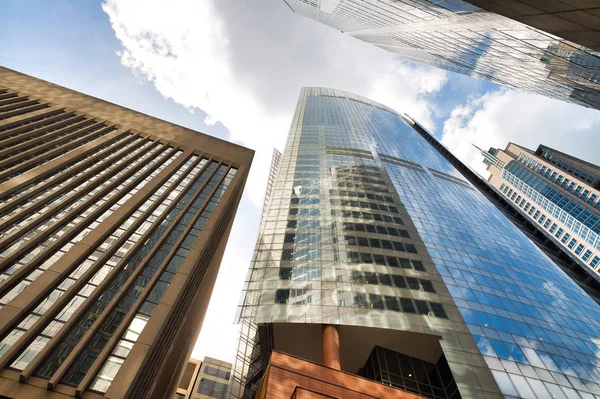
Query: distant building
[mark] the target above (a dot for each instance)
(555, 191)
(210, 378)
(512, 43)
(112, 229)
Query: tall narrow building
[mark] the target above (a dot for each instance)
(461, 37)
(555, 191)
(112, 229)
(382, 258)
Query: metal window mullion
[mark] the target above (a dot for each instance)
(86, 127)
(54, 153)
(106, 312)
(6, 241)
(6, 130)
(60, 176)
(26, 110)
(72, 212)
(129, 146)
(117, 335)
(81, 281)
(18, 142)
(12, 280)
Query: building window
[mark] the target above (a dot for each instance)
(586, 255)
(212, 389)
(215, 372)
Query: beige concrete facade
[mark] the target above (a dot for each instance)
(551, 221)
(84, 181)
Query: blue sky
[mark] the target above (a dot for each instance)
(233, 69)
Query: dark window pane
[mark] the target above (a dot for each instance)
(427, 285)
(407, 305)
(422, 307)
(391, 303)
(371, 278)
(282, 296)
(399, 281)
(413, 283)
(438, 310)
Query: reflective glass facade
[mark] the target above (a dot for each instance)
(460, 37)
(369, 225)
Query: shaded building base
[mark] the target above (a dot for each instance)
(289, 377)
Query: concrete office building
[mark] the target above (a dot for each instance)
(501, 47)
(205, 379)
(113, 225)
(557, 192)
(382, 257)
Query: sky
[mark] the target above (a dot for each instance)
(234, 69)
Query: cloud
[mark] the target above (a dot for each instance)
(498, 117)
(243, 64)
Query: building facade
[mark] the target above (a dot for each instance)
(112, 229)
(464, 38)
(557, 192)
(377, 245)
(208, 379)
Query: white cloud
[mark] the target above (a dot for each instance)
(243, 64)
(494, 119)
(184, 48)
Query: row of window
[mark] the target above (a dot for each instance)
(60, 179)
(46, 126)
(582, 222)
(376, 301)
(359, 194)
(119, 282)
(76, 224)
(551, 227)
(380, 243)
(128, 338)
(367, 216)
(102, 270)
(552, 175)
(60, 132)
(569, 168)
(364, 187)
(383, 260)
(44, 219)
(47, 153)
(19, 127)
(24, 107)
(364, 205)
(369, 228)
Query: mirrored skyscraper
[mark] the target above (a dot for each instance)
(460, 37)
(378, 256)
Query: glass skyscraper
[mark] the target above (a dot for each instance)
(460, 37)
(371, 229)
